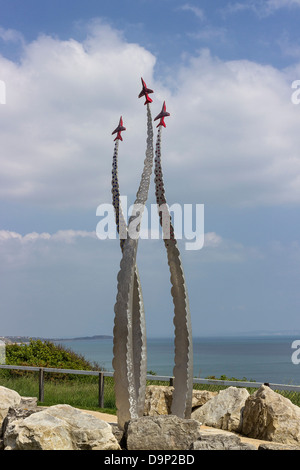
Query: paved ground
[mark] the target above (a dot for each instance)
(104, 416)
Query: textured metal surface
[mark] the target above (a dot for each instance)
(138, 313)
(128, 378)
(183, 368)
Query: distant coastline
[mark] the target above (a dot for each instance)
(26, 339)
(242, 334)
(82, 338)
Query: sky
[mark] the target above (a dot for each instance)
(228, 72)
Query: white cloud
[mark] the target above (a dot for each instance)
(6, 235)
(217, 249)
(233, 135)
(54, 283)
(16, 248)
(239, 139)
(210, 33)
(262, 8)
(212, 239)
(198, 12)
(289, 47)
(63, 101)
(277, 4)
(70, 236)
(43, 249)
(11, 35)
(62, 235)
(53, 288)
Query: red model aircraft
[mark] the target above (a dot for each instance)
(119, 129)
(162, 115)
(145, 91)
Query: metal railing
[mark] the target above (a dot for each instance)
(210, 384)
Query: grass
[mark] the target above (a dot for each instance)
(82, 392)
(78, 393)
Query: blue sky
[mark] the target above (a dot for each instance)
(225, 69)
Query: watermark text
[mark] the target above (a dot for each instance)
(187, 222)
(2, 352)
(296, 354)
(295, 98)
(2, 92)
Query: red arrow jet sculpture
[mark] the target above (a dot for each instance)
(145, 92)
(119, 129)
(162, 116)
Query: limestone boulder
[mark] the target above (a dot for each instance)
(200, 397)
(18, 413)
(8, 398)
(39, 431)
(220, 440)
(167, 432)
(223, 411)
(277, 446)
(158, 400)
(28, 402)
(59, 427)
(270, 416)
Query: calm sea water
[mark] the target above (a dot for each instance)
(262, 358)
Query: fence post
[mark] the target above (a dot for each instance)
(41, 384)
(101, 390)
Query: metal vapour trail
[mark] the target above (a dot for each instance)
(138, 313)
(130, 380)
(183, 369)
(129, 346)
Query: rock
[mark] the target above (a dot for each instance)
(220, 441)
(224, 411)
(276, 446)
(118, 433)
(39, 431)
(200, 397)
(8, 398)
(161, 433)
(158, 399)
(59, 427)
(270, 416)
(15, 414)
(28, 402)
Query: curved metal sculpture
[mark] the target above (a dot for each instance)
(129, 350)
(183, 369)
(138, 313)
(129, 377)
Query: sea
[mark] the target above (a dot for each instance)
(272, 359)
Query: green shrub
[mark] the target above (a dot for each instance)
(233, 379)
(39, 353)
